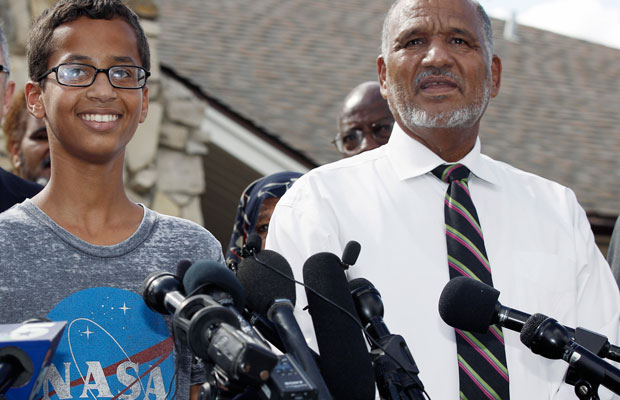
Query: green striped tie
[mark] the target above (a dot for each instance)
(481, 356)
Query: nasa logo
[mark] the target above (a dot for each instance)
(113, 347)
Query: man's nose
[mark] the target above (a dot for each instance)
(437, 54)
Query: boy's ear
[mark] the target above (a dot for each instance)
(34, 102)
(145, 103)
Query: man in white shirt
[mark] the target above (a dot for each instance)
(438, 73)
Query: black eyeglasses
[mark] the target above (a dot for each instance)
(4, 68)
(84, 75)
(350, 141)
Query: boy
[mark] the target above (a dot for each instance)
(88, 64)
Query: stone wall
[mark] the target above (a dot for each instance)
(163, 162)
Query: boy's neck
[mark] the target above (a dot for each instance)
(90, 202)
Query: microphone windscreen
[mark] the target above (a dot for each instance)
(345, 361)
(182, 267)
(206, 273)
(254, 243)
(267, 276)
(468, 304)
(358, 283)
(351, 252)
(528, 332)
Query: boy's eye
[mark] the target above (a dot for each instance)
(74, 73)
(122, 73)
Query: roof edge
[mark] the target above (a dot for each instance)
(248, 124)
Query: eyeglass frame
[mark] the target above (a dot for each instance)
(147, 74)
(339, 136)
(4, 68)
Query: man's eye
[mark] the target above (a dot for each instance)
(262, 228)
(349, 138)
(414, 42)
(383, 130)
(459, 41)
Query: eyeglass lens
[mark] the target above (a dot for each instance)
(84, 75)
(352, 139)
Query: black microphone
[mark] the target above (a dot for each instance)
(471, 305)
(268, 280)
(26, 351)
(182, 267)
(253, 245)
(220, 283)
(350, 253)
(396, 372)
(211, 330)
(546, 337)
(345, 360)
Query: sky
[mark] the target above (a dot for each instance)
(593, 20)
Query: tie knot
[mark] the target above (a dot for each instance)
(451, 172)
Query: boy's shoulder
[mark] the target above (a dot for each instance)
(173, 231)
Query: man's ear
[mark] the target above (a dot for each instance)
(34, 100)
(496, 74)
(8, 95)
(16, 161)
(145, 104)
(381, 72)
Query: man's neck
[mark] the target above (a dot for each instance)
(450, 144)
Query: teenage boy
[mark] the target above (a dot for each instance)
(88, 63)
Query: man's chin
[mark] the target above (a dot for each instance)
(455, 118)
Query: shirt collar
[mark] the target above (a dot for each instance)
(411, 158)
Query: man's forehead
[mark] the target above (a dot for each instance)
(460, 13)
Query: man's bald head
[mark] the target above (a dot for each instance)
(364, 111)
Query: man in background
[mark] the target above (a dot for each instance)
(26, 142)
(12, 188)
(365, 121)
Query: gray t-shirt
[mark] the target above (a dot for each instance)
(41, 264)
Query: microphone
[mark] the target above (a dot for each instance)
(220, 283)
(345, 360)
(252, 246)
(269, 282)
(26, 352)
(350, 253)
(471, 305)
(396, 372)
(182, 267)
(546, 337)
(210, 330)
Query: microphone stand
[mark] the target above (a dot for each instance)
(585, 388)
(396, 373)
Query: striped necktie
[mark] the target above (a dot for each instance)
(481, 357)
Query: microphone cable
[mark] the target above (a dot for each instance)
(369, 338)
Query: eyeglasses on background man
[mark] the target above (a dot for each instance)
(352, 141)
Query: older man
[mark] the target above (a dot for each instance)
(422, 218)
(365, 121)
(12, 188)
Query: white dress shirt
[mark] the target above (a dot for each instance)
(539, 243)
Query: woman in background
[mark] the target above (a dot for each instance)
(254, 211)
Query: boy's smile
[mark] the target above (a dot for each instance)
(93, 123)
